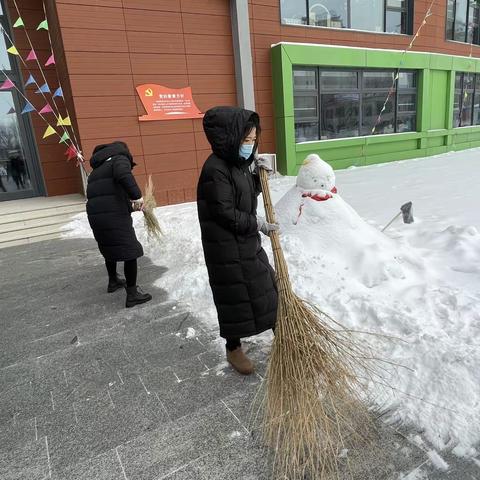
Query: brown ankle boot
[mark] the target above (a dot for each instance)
(240, 362)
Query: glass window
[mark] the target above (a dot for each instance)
(395, 3)
(472, 27)
(367, 15)
(476, 107)
(406, 123)
(305, 79)
(465, 112)
(305, 107)
(372, 106)
(379, 79)
(294, 12)
(14, 175)
(306, 132)
(338, 80)
(450, 19)
(371, 15)
(407, 80)
(328, 13)
(406, 102)
(348, 103)
(463, 21)
(459, 33)
(340, 115)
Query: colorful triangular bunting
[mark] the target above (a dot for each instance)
(30, 81)
(32, 55)
(28, 108)
(6, 84)
(43, 25)
(12, 110)
(50, 61)
(58, 92)
(18, 23)
(13, 50)
(64, 122)
(71, 152)
(46, 109)
(49, 131)
(44, 89)
(65, 137)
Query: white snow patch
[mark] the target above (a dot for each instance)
(437, 460)
(191, 332)
(418, 282)
(417, 474)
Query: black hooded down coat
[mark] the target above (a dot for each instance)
(242, 280)
(111, 187)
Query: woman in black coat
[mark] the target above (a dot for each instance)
(242, 280)
(113, 194)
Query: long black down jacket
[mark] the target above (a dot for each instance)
(111, 187)
(242, 280)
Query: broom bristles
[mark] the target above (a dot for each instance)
(311, 401)
(150, 219)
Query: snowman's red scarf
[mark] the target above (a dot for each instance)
(317, 197)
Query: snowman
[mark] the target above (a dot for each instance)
(315, 218)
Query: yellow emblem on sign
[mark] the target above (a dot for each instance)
(149, 92)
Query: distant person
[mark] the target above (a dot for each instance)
(3, 174)
(18, 170)
(242, 280)
(113, 194)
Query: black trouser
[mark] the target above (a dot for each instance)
(234, 343)
(129, 268)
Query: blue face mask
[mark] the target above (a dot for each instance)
(246, 150)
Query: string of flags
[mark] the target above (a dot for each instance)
(397, 75)
(62, 122)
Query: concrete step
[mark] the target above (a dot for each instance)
(51, 220)
(37, 219)
(15, 216)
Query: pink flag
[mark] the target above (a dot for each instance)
(32, 55)
(50, 61)
(46, 109)
(6, 84)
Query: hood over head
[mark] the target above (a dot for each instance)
(225, 130)
(107, 150)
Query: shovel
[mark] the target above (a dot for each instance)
(406, 212)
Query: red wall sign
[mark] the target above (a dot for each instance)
(162, 103)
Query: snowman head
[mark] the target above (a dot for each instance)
(315, 174)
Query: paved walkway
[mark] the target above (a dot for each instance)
(93, 391)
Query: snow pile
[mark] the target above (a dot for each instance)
(418, 282)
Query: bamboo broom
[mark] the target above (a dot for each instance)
(311, 405)
(151, 222)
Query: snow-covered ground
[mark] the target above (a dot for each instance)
(418, 282)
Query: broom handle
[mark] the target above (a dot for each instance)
(281, 267)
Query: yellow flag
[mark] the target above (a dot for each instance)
(65, 121)
(49, 131)
(13, 50)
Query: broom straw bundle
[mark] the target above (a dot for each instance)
(311, 403)
(151, 222)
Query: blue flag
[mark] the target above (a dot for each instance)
(28, 108)
(43, 89)
(58, 92)
(30, 80)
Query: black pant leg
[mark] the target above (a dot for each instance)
(111, 269)
(130, 269)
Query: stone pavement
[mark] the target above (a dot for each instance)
(93, 391)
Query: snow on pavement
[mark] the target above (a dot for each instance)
(418, 282)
